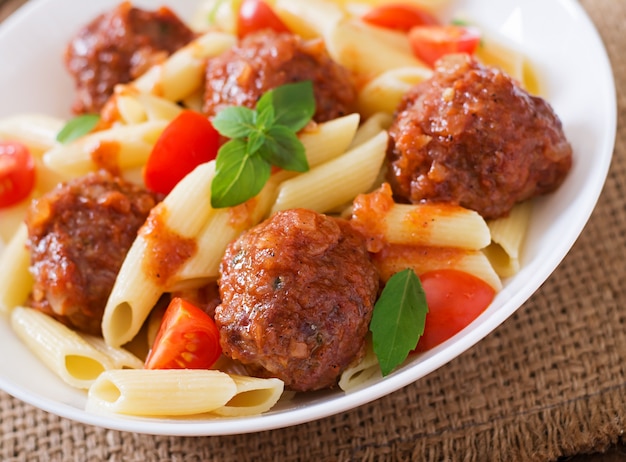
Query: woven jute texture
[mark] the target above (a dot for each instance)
(550, 382)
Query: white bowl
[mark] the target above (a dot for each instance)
(576, 78)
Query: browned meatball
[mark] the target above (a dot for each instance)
(297, 292)
(471, 136)
(117, 47)
(78, 236)
(266, 60)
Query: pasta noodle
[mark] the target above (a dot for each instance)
(353, 44)
(254, 396)
(384, 93)
(16, 281)
(332, 188)
(180, 76)
(120, 147)
(160, 392)
(75, 360)
(423, 259)
(358, 374)
(507, 234)
(37, 131)
(185, 211)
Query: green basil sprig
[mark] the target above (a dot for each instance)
(77, 127)
(398, 319)
(260, 138)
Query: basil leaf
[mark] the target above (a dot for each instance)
(255, 141)
(260, 138)
(398, 319)
(77, 127)
(294, 104)
(238, 176)
(235, 121)
(265, 111)
(283, 149)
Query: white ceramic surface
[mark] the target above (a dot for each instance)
(576, 79)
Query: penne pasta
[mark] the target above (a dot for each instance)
(223, 227)
(330, 139)
(16, 281)
(136, 108)
(160, 392)
(422, 259)
(326, 186)
(118, 358)
(183, 72)
(310, 18)
(353, 43)
(364, 371)
(370, 128)
(436, 225)
(507, 235)
(118, 148)
(384, 92)
(183, 213)
(61, 349)
(37, 131)
(254, 396)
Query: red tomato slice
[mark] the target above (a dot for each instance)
(399, 16)
(187, 339)
(429, 43)
(455, 299)
(255, 15)
(188, 141)
(17, 173)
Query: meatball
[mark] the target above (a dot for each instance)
(117, 47)
(78, 236)
(472, 136)
(297, 293)
(265, 60)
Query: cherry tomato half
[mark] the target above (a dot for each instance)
(187, 339)
(188, 141)
(17, 173)
(399, 16)
(255, 15)
(429, 43)
(455, 299)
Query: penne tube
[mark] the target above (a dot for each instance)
(353, 43)
(181, 216)
(120, 147)
(326, 186)
(365, 370)
(254, 396)
(215, 13)
(507, 235)
(16, 281)
(384, 222)
(330, 139)
(136, 108)
(224, 226)
(370, 128)
(164, 392)
(183, 72)
(119, 358)
(37, 131)
(385, 92)
(61, 349)
(310, 18)
(422, 259)
(436, 225)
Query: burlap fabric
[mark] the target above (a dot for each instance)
(548, 383)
